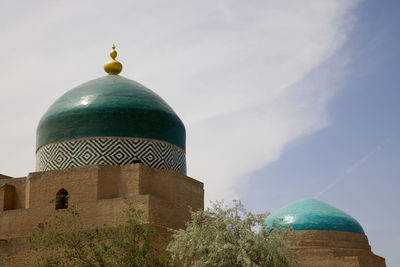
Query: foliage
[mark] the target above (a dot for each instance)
(218, 236)
(221, 236)
(65, 240)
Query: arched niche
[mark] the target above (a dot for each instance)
(62, 199)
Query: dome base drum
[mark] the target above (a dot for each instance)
(110, 151)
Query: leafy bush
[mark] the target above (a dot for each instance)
(64, 240)
(231, 236)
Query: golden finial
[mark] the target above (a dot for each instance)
(113, 66)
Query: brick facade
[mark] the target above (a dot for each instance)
(98, 192)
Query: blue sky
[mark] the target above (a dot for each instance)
(354, 164)
(281, 99)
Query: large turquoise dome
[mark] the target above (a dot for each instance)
(110, 106)
(312, 214)
(110, 120)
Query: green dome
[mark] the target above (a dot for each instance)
(312, 214)
(110, 106)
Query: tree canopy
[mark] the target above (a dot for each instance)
(65, 240)
(218, 236)
(231, 236)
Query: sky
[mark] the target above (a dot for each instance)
(281, 100)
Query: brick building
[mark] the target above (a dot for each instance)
(112, 138)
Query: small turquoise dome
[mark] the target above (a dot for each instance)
(110, 106)
(312, 214)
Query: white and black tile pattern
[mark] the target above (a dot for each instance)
(110, 151)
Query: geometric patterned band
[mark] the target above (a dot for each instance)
(110, 151)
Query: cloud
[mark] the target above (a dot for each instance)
(234, 71)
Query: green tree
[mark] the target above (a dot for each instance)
(65, 240)
(231, 236)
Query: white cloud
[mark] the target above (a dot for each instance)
(233, 71)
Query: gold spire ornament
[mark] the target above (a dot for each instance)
(113, 67)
